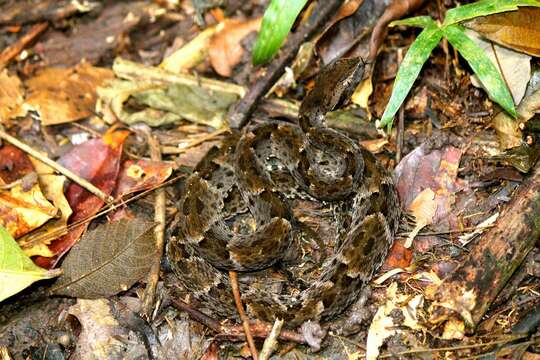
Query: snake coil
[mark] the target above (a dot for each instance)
(250, 204)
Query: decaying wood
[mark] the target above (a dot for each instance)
(468, 292)
(9, 53)
(21, 12)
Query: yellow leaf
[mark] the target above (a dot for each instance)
(11, 96)
(191, 54)
(23, 211)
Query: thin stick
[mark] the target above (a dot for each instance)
(451, 348)
(232, 332)
(10, 52)
(62, 170)
(270, 343)
(449, 232)
(245, 321)
(200, 140)
(401, 118)
(159, 230)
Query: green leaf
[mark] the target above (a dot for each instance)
(409, 69)
(483, 67)
(420, 21)
(483, 8)
(17, 271)
(278, 20)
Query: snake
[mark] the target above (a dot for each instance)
(303, 213)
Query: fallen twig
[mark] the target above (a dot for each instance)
(200, 140)
(159, 230)
(235, 332)
(245, 321)
(62, 170)
(271, 341)
(451, 348)
(10, 52)
(396, 10)
(239, 114)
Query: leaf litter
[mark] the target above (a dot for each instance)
(437, 182)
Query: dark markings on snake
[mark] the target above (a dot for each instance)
(250, 204)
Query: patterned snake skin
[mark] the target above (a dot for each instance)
(301, 211)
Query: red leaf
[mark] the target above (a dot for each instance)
(98, 161)
(399, 256)
(435, 169)
(14, 164)
(140, 175)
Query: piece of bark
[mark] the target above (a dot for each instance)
(92, 41)
(466, 295)
(22, 12)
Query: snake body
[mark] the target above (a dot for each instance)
(250, 207)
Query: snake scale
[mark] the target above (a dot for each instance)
(301, 211)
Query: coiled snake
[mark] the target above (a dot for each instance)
(301, 211)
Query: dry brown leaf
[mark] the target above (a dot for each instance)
(423, 207)
(53, 189)
(62, 95)
(22, 204)
(108, 259)
(191, 54)
(519, 30)
(225, 47)
(11, 96)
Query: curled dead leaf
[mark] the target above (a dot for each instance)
(62, 95)
(225, 46)
(518, 30)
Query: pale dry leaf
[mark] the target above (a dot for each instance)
(507, 128)
(454, 329)
(225, 46)
(480, 228)
(53, 189)
(382, 325)
(362, 93)
(24, 210)
(423, 208)
(100, 336)
(191, 54)
(108, 259)
(11, 96)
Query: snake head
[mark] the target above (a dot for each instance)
(334, 85)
